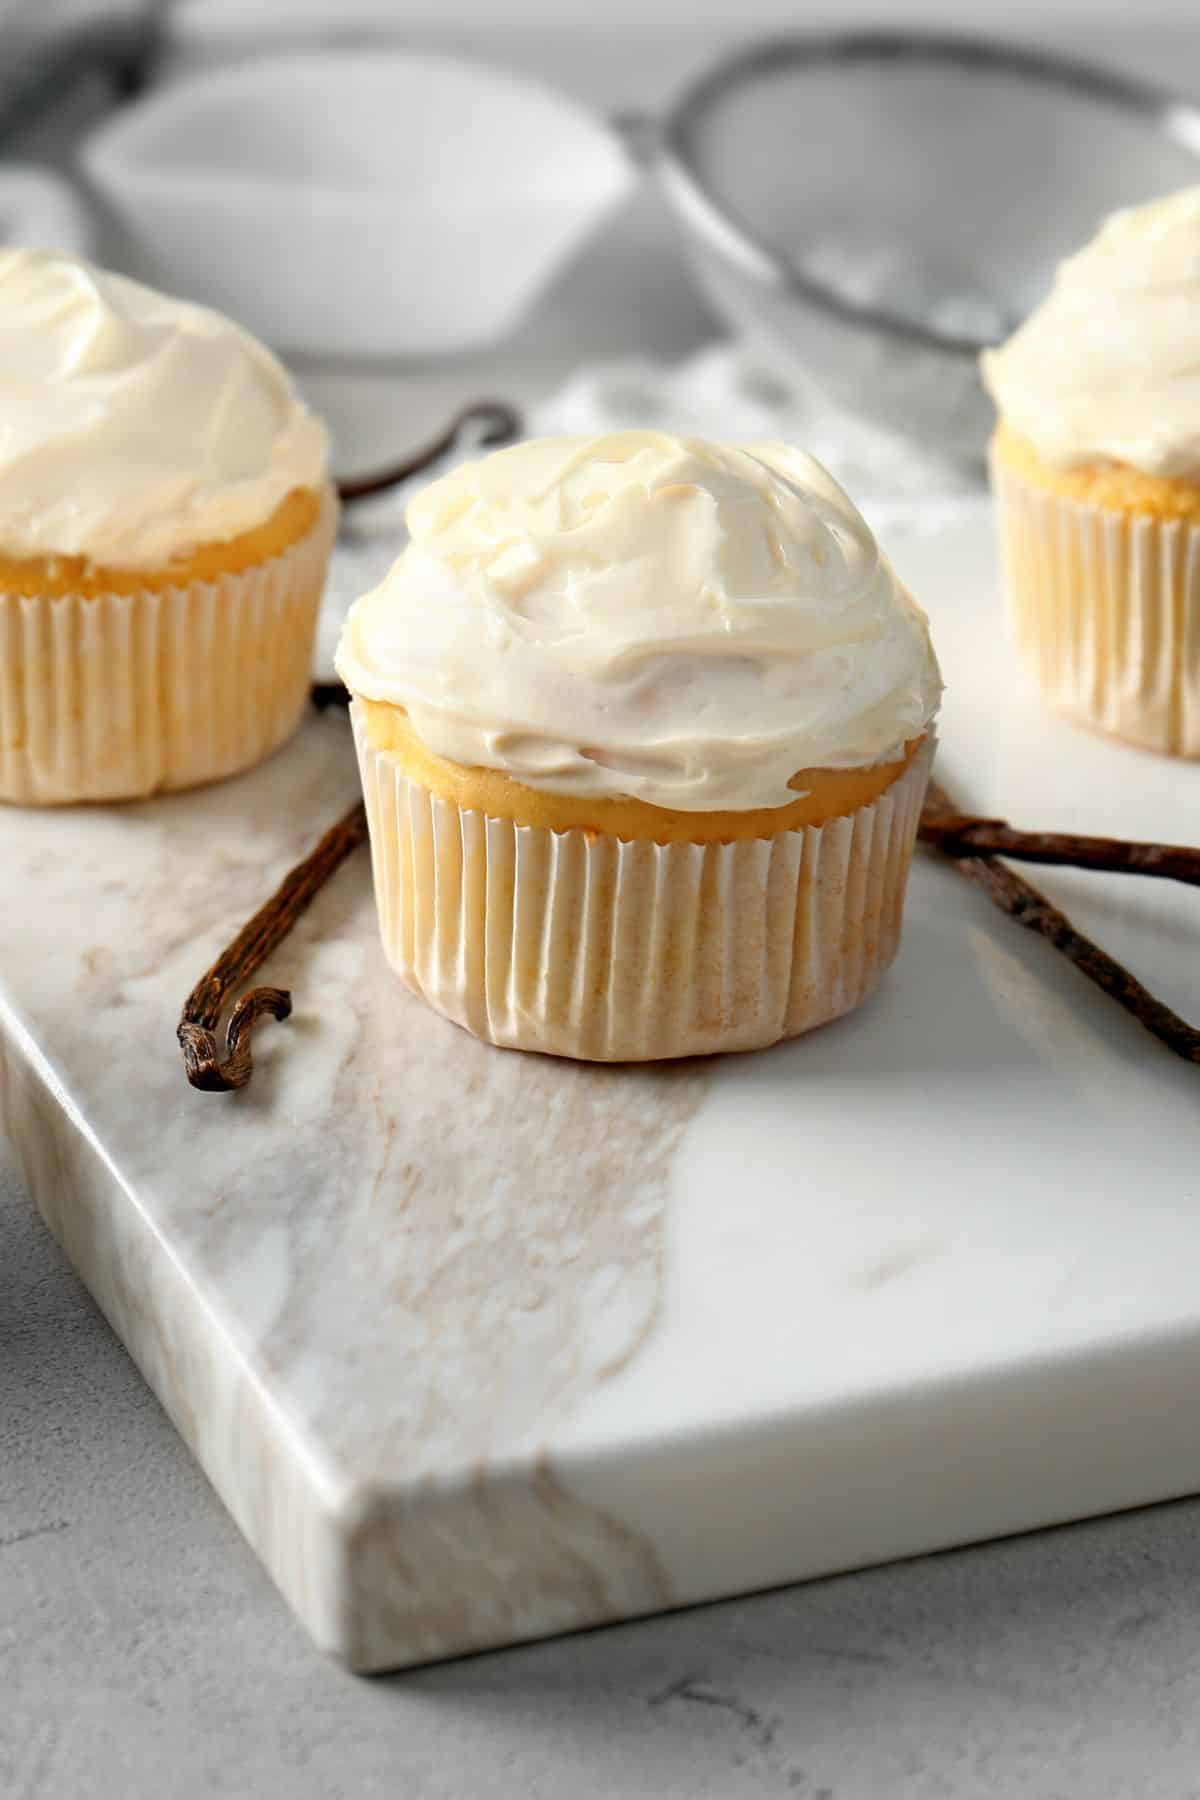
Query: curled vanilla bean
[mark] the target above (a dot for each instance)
(206, 1065)
(499, 424)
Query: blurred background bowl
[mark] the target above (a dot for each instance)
(367, 203)
(39, 207)
(877, 207)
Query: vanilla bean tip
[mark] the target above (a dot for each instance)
(203, 1063)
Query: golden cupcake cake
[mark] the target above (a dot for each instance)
(166, 519)
(644, 726)
(1096, 472)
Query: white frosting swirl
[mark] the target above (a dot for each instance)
(1108, 366)
(648, 615)
(134, 428)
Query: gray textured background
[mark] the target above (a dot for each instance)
(143, 1652)
(145, 1656)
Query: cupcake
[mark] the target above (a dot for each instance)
(644, 726)
(1096, 470)
(165, 523)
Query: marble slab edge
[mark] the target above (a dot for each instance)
(384, 1579)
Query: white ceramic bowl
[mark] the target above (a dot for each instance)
(348, 202)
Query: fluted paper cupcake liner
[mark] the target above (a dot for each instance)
(583, 945)
(120, 695)
(1104, 609)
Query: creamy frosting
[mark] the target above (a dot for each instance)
(133, 427)
(1108, 366)
(649, 615)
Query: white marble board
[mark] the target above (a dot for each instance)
(478, 1347)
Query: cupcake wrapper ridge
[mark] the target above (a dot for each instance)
(583, 945)
(117, 696)
(1104, 609)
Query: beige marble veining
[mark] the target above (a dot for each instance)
(391, 1264)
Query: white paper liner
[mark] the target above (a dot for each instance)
(581, 945)
(1104, 609)
(121, 695)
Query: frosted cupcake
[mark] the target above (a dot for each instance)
(1096, 469)
(644, 726)
(165, 524)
